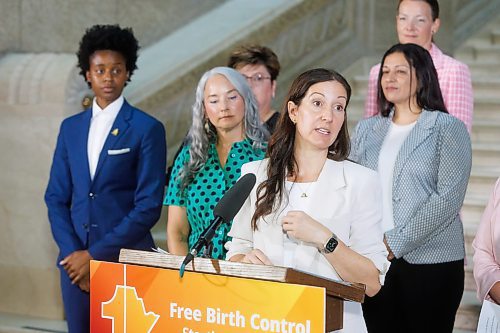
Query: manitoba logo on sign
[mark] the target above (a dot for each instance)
(127, 312)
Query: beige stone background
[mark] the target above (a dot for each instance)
(38, 39)
(39, 86)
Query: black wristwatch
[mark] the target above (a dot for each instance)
(330, 244)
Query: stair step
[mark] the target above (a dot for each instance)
(355, 112)
(487, 38)
(481, 40)
(482, 68)
(486, 86)
(468, 312)
(359, 85)
(11, 323)
(470, 230)
(485, 154)
(479, 53)
(486, 108)
(469, 283)
(361, 66)
(482, 179)
(476, 199)
(485, 130)
(356, 107)
(473, 208)
(491, 173)
(495, 36)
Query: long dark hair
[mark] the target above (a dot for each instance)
(429, 95)
(280, 151)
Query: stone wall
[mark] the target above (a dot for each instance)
(31, 110)
(57, 25)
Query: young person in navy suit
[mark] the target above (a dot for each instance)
(108, 172)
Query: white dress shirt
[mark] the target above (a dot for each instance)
(100, 127)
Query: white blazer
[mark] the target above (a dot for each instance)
(346, 198)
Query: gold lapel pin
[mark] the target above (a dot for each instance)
(115, 132)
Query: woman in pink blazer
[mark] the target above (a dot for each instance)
(487, 250)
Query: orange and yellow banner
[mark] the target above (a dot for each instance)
(134, 299)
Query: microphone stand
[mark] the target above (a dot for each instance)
(203, 241)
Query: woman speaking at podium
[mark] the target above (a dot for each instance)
(311, 209)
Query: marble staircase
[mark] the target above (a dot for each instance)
(482, 54)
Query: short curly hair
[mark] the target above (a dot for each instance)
(108, 37)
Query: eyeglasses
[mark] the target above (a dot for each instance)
(257, 78)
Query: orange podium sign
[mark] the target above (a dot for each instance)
(127, 298)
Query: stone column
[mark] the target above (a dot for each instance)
(34, 92)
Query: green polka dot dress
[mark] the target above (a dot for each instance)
(207, 188)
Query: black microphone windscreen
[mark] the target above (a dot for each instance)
(233, 199)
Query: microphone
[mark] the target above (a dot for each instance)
(225, 210)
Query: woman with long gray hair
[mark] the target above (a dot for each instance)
(226, 132)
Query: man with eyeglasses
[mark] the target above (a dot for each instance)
(260, 66)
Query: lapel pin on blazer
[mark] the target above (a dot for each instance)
(115, 132)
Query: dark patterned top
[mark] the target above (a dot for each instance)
(272, 122)
(207, 188)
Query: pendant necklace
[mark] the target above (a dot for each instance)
(304, 192)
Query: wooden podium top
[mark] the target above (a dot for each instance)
(339, 289)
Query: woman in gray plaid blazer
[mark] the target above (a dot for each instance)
(423, 157)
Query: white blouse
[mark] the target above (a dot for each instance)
(387, 159)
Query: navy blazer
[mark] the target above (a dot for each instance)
(431, 174)
(122, 203)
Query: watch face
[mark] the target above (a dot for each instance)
(331, 245)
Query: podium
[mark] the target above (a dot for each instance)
(213, 296)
